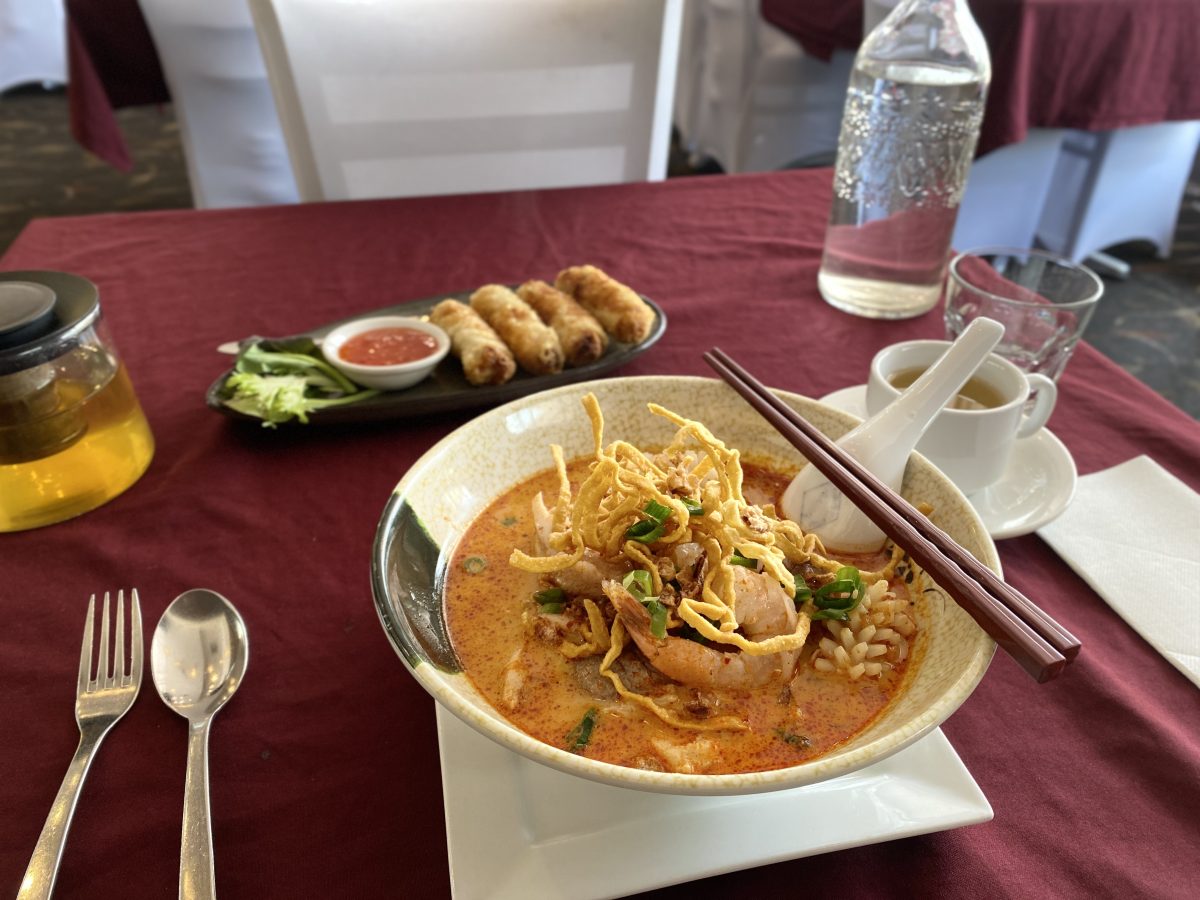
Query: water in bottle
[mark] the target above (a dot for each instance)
(912, 117)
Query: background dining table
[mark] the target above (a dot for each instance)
(1094, 65)
(325, 770)
(1087, 64)
(111, 63)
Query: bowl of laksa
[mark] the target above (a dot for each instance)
(597, 577)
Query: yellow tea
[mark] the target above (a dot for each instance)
(975, 394)
(106, 446)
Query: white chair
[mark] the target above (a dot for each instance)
(792, 112)
(232, 140)
(1115, 186)
(384, 98)
(686, 112)
(33, 42)
(753, 100)
(1007, 190)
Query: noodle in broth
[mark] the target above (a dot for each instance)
(658, 613)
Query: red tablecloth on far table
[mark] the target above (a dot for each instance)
(1089, 64)
(112, 63)
(325, 779)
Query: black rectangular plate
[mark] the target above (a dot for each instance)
(446, 389)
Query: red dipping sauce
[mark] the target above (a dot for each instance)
(388, 347)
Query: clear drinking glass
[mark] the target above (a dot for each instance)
(1043, 301)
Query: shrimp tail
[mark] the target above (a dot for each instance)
(635, 616)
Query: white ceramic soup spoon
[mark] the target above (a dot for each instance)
(883, 444)
(198, 657)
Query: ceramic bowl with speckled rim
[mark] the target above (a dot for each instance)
(456, 479)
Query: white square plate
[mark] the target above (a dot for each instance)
(518, 829)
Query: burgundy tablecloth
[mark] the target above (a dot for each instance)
(1088, 64)
(325, 779)
(113, 64)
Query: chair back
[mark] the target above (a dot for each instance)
(33, 43)
(388, 98)
(232, 141)
(749, 97)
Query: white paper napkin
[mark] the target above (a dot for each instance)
(1131, 532)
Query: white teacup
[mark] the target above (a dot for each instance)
(972, 446)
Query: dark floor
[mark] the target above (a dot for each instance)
(1149, 323)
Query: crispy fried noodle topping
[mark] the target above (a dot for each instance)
(716, 529)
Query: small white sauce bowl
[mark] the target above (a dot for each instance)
(384, 378)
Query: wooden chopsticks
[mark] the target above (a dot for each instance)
(1039, 644)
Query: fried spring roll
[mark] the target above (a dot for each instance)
(624, 314)
(534, 344)
(485, 358)
(582, 338)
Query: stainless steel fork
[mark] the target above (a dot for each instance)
(99, 703)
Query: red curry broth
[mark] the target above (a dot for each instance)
(487, 602)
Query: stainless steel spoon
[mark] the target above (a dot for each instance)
(198, 657)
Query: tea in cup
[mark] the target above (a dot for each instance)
(972, 439)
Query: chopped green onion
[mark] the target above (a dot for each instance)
(845, 601)
(658, 617)
(844, 604)
(638, 583)
(646, 531)
(836, 599)
(508, 521)
(849, 573)
(846, 585)
(803, 593)
(841, 615)
(693, 507)
(473, 565)
(650, 530)
(579, 736)
(736, 559)
(657, 511)
(551, 600)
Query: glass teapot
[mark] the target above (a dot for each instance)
(72, 434)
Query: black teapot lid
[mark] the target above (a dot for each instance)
(26, 312)
(42, 315)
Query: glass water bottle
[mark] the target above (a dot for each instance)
(911, 122)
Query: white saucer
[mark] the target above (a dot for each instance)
(518, 829)
(1037, 485)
